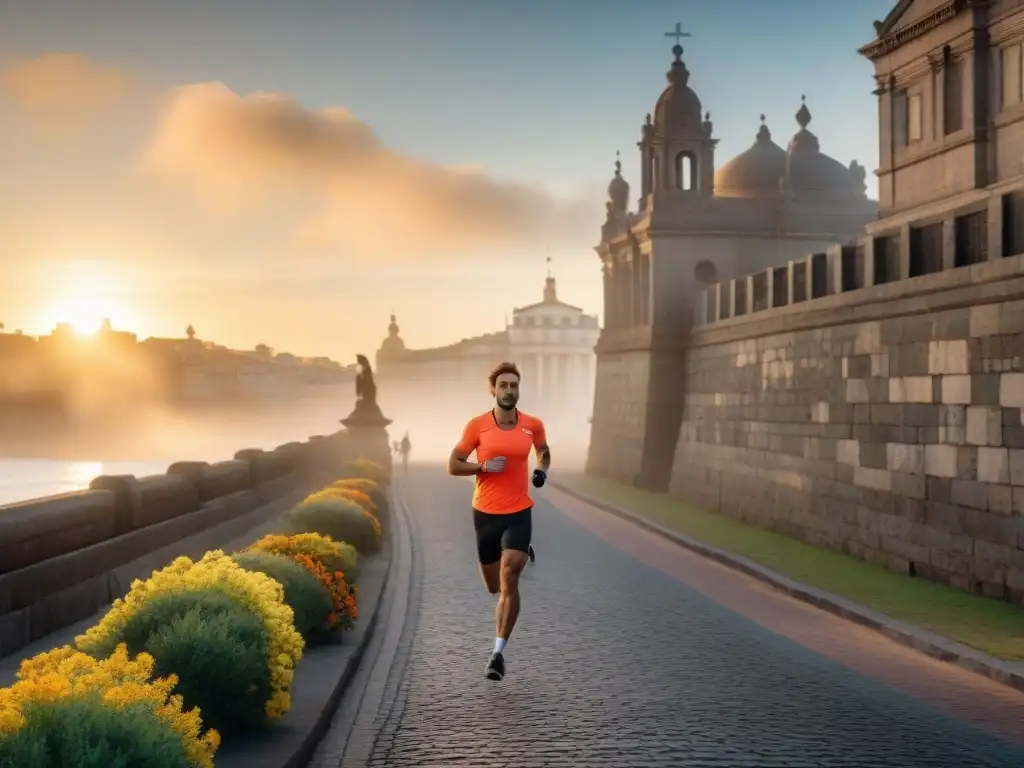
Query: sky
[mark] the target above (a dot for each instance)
(291, 173)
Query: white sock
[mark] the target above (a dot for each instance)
(499, 644)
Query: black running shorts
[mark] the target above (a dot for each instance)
(496, 533)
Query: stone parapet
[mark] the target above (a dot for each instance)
(64, 556)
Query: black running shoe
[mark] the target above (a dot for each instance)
(495, 667)
(531, 554)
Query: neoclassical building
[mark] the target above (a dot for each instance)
(696, 224)
(551, 341)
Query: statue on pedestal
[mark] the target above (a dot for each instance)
(366, 413)
(366, 387)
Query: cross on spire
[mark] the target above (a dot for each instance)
(678, 33)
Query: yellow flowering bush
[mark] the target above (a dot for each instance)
(260, 594)
(124, 685)
(333, 555)
(374, 490)
(369, 469)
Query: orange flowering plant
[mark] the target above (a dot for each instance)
(343, 597)
(333, 555)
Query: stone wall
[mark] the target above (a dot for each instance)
(886, 422)
(63, 557)
(619, 422)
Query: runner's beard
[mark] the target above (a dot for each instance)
(507, 402)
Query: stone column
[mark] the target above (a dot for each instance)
(609, 293)
(624, 313)
(885, 138)
(995, 227)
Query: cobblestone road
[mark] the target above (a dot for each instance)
(619, 663)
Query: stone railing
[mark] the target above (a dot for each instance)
(873, 269)
(63, 557)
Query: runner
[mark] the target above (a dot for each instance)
(502, 509)
(405, 447)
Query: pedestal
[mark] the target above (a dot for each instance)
(368, 434)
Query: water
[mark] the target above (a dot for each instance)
(22, 479)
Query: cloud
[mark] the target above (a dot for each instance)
(68, 83)
(249, 153)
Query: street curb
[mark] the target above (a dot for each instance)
(938, 647)
(301, 738)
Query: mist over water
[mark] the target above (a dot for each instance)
(151, 439)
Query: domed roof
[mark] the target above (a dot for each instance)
(757, 172)
(618, 188)
(393, 343)
(812, 173)
(678, 107)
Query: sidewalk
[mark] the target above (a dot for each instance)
(980, 634)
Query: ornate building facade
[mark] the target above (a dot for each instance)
(697, 224)
(949, 78)
(552, 343)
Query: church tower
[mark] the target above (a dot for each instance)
(677, 148)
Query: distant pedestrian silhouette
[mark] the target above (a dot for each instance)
(405, 447)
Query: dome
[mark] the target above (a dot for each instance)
(678, 107)
(618, 188)
(393, 343)
(757, 172)
(812, 173)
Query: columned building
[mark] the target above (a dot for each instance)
(551, 341)
(697, 224)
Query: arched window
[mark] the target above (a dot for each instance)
(686, 171)
(705, 274)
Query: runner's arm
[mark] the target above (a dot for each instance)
(540, 444)
(457, 464)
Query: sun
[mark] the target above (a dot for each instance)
(84, 315)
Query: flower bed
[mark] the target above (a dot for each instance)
(201, 648)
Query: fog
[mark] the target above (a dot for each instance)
(149, 430)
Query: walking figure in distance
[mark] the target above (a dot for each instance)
(502, 509)
(405, 447)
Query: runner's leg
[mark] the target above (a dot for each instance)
(488, 549)
(515, 543)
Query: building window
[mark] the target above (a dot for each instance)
(1011, 56)
(906, 117)
(971, 232)
(953, 96)
(914, 117)
(686, 171)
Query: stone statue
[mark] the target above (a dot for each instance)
(859, 175)
(366, 387)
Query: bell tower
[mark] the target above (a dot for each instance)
(677, 148)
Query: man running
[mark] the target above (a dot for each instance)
(502, 438)
(405, 447)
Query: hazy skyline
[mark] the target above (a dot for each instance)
(145, 179)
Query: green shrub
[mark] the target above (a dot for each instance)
(348, 563)
(217, 649)
(306, 596)
(340, 519)
(84, 733)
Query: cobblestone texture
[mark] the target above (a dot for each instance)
(616, 664)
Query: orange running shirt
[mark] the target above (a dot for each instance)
(503, 493)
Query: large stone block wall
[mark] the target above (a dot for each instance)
(887, 423)
(619, 423)
(63, 557)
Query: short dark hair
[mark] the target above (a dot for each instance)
(501, 369)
